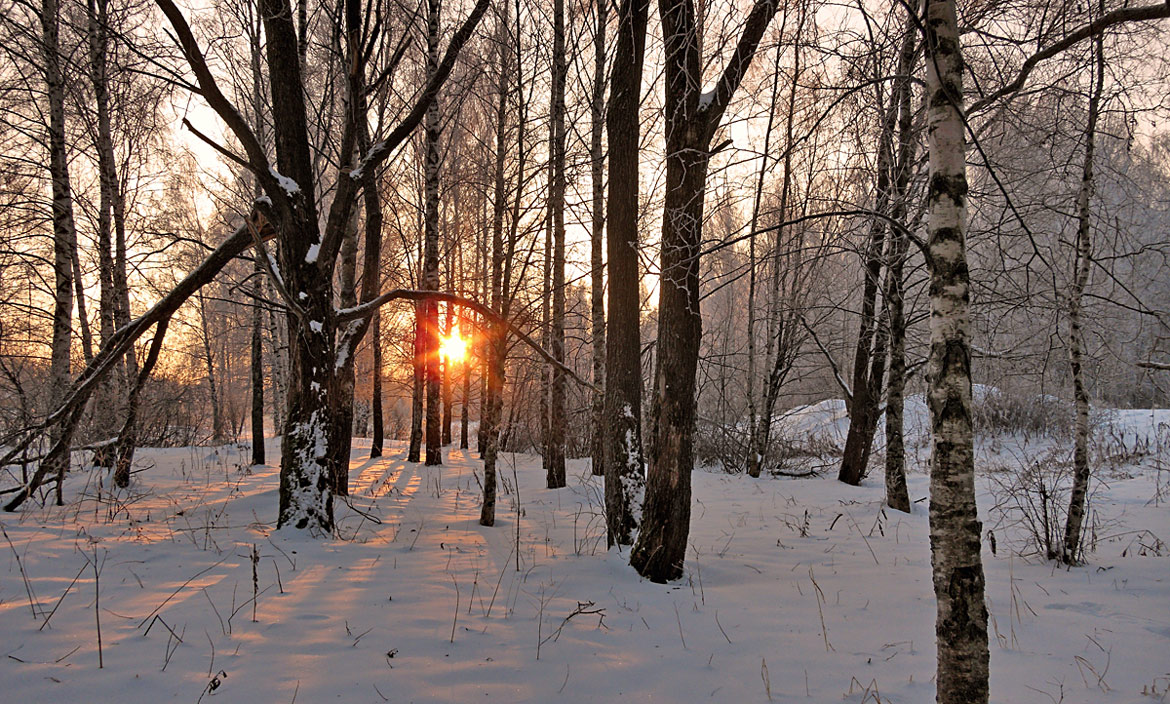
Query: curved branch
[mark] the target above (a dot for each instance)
(217, 101)
(1094, 27)
(124, 338)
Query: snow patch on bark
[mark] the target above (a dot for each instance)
(309, 504)
(633, 479)
(290, 186)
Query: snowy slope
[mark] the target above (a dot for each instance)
(796, 591)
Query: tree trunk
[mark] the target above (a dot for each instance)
(376, 400)
(448, 379)
(257, 361)
(597, 241)
(555, 476)
(113, 396)
(622, 456)
(414, 451)
(1073, 550)
(218, 433)
(691, 120)
(343, 369)
(307, 457)
(431, 250)
(660, 549)
(127, 441)
(277, 366)
(253, 31)
(897, 496)
(64, 232)
(82, 315)
(495, 346)
(961, 625)
(868, 355)
(465, 405)
(546, 321)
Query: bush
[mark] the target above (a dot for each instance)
(1031, 502)
(995, 412)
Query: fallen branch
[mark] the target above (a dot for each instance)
(68, 413)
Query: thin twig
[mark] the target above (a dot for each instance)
(27, 585)
(78, 576)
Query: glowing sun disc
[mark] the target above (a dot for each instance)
(453, 346)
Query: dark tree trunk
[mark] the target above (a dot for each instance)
(376, 399)
(253, 30)
(661, 547)
(869, 353)
(597, 240)
(218, 433)
(448, 381)
(257, 361)
(897, 496)
(555, 477)
(622, 436)
(127, 441)
(495, 347)
(465, 405)
(82, 314)
(414, 451)
(344, 373)
(113, 395)
(307, 458)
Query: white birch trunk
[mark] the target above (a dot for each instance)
(961, 625)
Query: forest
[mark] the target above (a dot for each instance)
(423, 351)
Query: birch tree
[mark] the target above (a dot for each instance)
(955, 531)
(430, 278)
(1071, 549)
(64, 229)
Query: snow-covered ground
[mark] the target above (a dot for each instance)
(796, 590)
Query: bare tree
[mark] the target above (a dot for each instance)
(555, 478)
(692, 117)
(64, 230)
(430, 278)
(1070, 554)
(624, 480)
(961, 625)
(597, 238)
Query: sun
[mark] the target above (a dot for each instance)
(453, 346)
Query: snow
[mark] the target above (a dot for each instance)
(287, 184)
(313, 253)
(414, 601)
